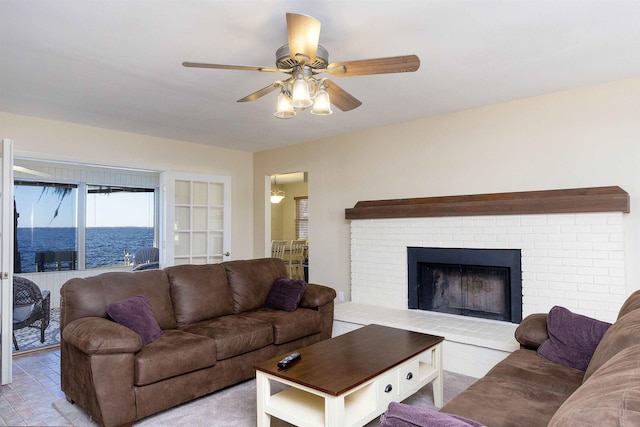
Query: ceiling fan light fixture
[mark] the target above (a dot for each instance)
(322, 104)
(284, 109)
(300, 97)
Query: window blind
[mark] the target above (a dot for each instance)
(302, 217)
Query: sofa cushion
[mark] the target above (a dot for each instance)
(624, 333)
(89, 296)
(526, 368)
(135, 313)
(234, 335)
(611, 396)
(572, 338)
(251, 281)
(285, 294)
(403, 415)
(496, 402)
(174, 353)
(199, 292)
(289, 326)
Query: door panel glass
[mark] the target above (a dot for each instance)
(199, 218)
(216, 194)
(183, 218)
(200, 193)
(182, 244)
(183, 193)
(199, 243)
(215, 242)
(216, 220)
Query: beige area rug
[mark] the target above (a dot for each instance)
(236, 407)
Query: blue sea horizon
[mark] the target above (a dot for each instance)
(105, 246)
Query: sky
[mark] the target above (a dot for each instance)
(103, 210)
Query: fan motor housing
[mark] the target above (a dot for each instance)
(284, 61)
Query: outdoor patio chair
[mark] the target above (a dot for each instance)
(146, 259)
(31, 307)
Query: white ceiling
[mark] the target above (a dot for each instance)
(117, 63)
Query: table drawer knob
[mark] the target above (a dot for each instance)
(388, 388)
(409, 376)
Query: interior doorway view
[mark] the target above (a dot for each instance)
(289, 200)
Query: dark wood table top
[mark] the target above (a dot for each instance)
(339, 364)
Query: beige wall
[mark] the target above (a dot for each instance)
(276, 221)
(585, 137)
(65, 141)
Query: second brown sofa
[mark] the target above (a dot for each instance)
(526, 389)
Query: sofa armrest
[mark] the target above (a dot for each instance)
(532, 331)
(93, 335)
(317, 296)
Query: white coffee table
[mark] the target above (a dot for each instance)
(350, 379)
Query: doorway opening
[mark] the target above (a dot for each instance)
(289, 214)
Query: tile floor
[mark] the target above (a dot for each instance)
(27, 401)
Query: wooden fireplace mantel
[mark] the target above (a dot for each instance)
(577, 200)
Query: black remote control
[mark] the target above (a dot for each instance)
(284, 363)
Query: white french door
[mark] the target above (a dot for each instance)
(6, 261)
(196, 223)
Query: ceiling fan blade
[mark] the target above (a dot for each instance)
(340, 97)
(262, 92)
(304, 35)
(394, 64)
(228, 67)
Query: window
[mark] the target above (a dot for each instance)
(46, 235)
(302, 217)
(87, 217)
(119, 221)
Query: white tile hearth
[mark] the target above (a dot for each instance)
(472, 346)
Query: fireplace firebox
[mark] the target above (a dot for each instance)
(484, 283)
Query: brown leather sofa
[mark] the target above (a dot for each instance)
(214, 329)
(527, 390)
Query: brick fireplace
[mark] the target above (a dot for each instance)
(571, 251)
(571, 243)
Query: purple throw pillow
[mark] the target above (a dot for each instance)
(285, 294)
(135, 314)
(573, 338)
(403, 415)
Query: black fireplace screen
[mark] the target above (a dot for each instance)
(485, 283)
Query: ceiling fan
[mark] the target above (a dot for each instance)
(303, 59)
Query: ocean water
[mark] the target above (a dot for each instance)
(105, 246)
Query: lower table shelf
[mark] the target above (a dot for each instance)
(307, 407)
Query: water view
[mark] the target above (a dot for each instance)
(105, 246)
